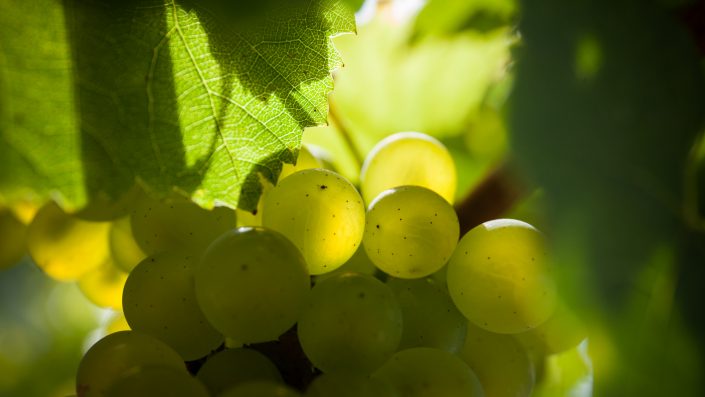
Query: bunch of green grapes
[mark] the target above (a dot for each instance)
(318, 295)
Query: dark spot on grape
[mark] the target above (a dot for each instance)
(404, 237)
(361, 295)
(324, 187)
(244, 267)
(377, 228)
(399, 219)
(488, 258)
(532, 259)
(306, 194)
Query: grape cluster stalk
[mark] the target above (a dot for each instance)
(328, 289)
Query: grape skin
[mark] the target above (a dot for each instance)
(151, 381)
(427, 372)
(408, 158)
(121, 353)
(499, 278)
(349, 385)
(410, 232)
(260, 389)
(352, 323)
(252, 284)
(159, 299)
(231, 367)
(321, 213)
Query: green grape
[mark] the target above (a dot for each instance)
(231, 367)
(358, 263)
(499, 277)
(349, 385)
(12, 239)
(103, 285)
(124, 249)
(306, 160)
(352, 323)
(430, 317)
(562, 331)
(428, 372)
(500, 362)
(119, 354)
(64, 247)
(102, 208)
(261, 389)
(159, 226)
(408, 158)
(159, 300)
(252, 284)
(151, 381)
(410, 232)
(321, 213)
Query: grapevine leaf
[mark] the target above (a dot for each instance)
(198, 97)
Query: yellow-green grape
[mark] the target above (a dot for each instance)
(124, 249)
(252, 284)
(430, 317)
(410, 232)
(116, 324)
(103, 285)
(358, 263)
(247, 218)
(231, 367)
(12, 239)
(159, 226)
(305, 161)
(261, 389)
(321, 213)
(562, 331)
(65, 247)
(408, 158)
(119, 354)
(24, 210)
(500, 362)
(349, 385)
(152, 381)
(499, 277)
(352, 323)
(102, 208)
(428, 372)
(159, 300)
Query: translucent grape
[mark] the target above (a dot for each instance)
(64, 247)
(103, 285)
(12, 239)
(124, 249)
(118, 354)
(321, 213)
(352, 323)
(159, 299)
(562, 331)
(408, 158)
(349, 385)
(499, 278)
(261, 389)
(151, 381)
(252, 284)
(430, 317)
(231, 367)
(158, 226)
(500, 362)
(428, 372)
(410, 232)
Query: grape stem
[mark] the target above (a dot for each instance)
(338, 124)
(492, 197)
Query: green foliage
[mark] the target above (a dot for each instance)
(177, 95)
(604, 115)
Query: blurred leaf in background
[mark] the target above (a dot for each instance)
(608, 101)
